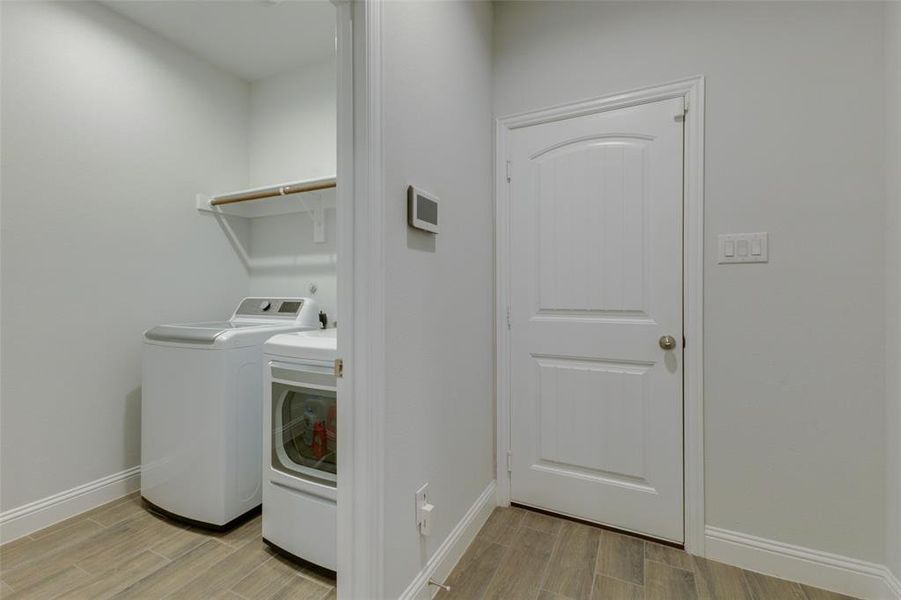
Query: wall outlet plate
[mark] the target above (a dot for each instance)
(422, 498)
(424, 510)
(742, 248)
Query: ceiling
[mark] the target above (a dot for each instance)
(250, 38)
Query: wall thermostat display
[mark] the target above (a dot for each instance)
(422, 210)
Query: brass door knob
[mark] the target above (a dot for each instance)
(667, 342)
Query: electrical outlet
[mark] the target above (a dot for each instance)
(425, 528)
(422, 498)
(424, 510)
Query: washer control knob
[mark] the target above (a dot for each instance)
(265, 305)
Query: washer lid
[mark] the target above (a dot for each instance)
(197, 333)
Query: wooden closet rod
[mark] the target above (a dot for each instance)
(283, 190)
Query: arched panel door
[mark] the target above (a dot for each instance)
(596, 317)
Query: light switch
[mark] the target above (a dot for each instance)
(743, 248)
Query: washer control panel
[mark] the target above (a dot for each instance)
(270, 307)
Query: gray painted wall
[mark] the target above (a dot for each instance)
(108, 133)
(439, 425)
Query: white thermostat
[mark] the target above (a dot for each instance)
(422, 210)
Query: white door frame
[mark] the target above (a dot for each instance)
(344, 229)
(361, 276)
(361, 298)
(692, 90)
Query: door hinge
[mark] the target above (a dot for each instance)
(684, 342)
(509, 462)
(508, 171)
(509, 319)
(339, 367)
(679, 115)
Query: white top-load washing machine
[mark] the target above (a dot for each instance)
(300, 446)
(201, 406)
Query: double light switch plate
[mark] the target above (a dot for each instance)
(742, 248)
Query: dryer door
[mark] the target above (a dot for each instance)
(304, 423)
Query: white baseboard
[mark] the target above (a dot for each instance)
(812, 567)
(440, 565)
(893, 583)
(31, 517)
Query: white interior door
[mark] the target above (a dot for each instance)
(595, 285)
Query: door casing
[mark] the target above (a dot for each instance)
(360, 203)
(692, 89)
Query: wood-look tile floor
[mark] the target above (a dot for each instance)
(525, 555)
(120, 550)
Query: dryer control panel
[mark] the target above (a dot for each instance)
(287, 308)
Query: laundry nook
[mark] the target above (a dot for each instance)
(199, 165)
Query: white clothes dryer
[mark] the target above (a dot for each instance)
(300, 474)
(201, 406)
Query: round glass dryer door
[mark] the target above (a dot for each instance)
(304, 436)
